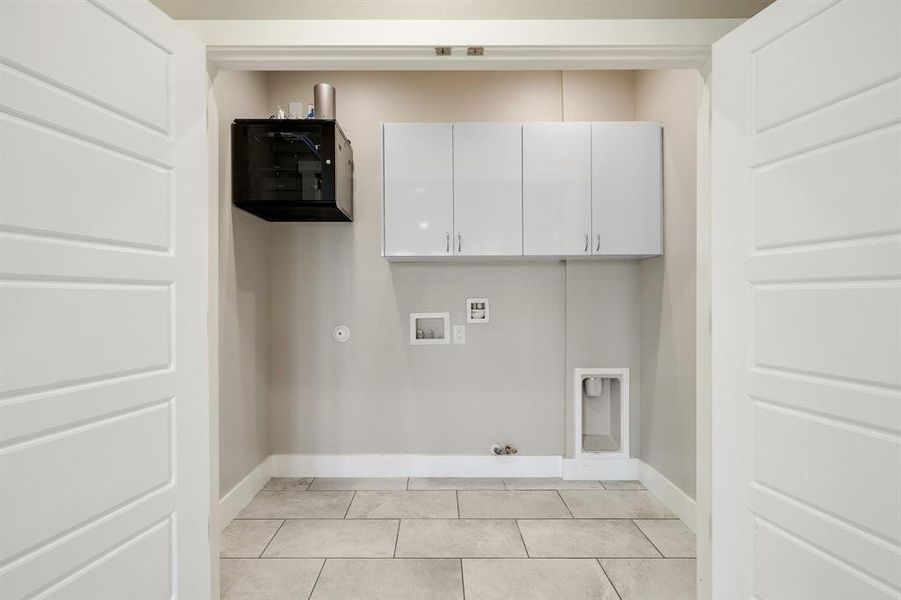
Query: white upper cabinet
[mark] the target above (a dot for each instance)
(564, 190)
(487, 189)
(626, 189)
(556, 190)
(418, 201)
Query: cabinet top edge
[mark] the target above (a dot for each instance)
(658, 123)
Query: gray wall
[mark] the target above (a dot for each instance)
(243, 297)
(378, 394)
(286, 387)
(603, 325)
(668, 285)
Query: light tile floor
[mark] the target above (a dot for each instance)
(456, 539)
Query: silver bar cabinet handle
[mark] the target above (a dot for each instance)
(598, 246)
(587, 242)
(447, 242)
(459, 242)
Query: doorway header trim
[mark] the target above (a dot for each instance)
(410, 44)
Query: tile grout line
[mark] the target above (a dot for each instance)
(462, 579)
(603, 486)
(352, 498)
(475, 518)
(318, 575)
(396, 538)
(522, 539)
(647, 538)
(272, 538)
(528, 558)
(613, 585)
(457, 496)
(559, 495)
(309, 485)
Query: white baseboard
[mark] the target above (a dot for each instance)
(600, 468)
(675, 499)
(413, 465)
(239, 496)
(460, 465)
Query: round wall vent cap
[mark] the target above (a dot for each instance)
(341, 333)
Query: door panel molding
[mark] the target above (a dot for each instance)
(806, 319)
(104, 410)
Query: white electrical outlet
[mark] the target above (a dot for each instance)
(459, 334)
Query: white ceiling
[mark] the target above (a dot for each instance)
(461, 9)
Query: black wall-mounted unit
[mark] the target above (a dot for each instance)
(292, 169)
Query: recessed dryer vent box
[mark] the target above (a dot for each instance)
(601, 413)
(429, 328)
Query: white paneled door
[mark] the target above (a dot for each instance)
(806, 250)
(104, 400)
(488, 189)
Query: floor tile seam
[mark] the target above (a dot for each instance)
(462, 579)
(529, 558)
(269, 543)
(318, 575)
(648, 538)
(265, 558)
(563, 500)
(458, 557)
(578, 558)
(522, 539)
(349, 504)
(502, 518)
(309, 488)
(396, 538)
(607, 575)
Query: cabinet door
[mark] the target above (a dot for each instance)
(419, 207)
(556, 193)
(626, 188)
(488, 189)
